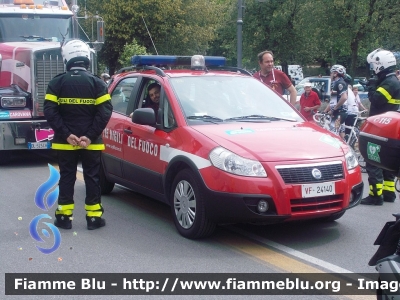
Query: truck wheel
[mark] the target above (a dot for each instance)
(5, 156)
(333, 217)
(187, 207)
(105, 185)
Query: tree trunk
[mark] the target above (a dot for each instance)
(354, 52)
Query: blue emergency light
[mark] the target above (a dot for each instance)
(169, 60)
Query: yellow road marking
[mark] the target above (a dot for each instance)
(280, 262)
(275, 259)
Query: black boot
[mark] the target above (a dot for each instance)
(95, 222)
(63, 221)
(371, 200)
(389, 196)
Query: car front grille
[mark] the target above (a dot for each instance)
(300, 174)
(316, 204)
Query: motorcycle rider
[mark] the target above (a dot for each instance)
(384, 95)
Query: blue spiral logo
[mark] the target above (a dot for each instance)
(45, 197)
(35, 235)
(45, 188)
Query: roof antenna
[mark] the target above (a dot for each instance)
(149, 35)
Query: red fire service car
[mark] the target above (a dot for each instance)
(221, 147)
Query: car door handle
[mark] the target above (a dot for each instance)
(128, 131)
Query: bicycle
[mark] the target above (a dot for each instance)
(352, 138)
(325, 121)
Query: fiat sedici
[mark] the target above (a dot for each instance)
(219, 147)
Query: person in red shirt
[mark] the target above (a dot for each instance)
(309, 102)
(274, 78)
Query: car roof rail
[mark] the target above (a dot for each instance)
(126, 69)
(158, 70)
(131, 68)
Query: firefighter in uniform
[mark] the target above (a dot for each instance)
(384, 95)
(77, 106)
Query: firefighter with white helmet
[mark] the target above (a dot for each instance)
(384, 95)
(78, 107)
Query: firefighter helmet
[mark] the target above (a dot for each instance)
(75, 52)
(381, 60)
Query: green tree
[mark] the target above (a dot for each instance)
(179, 27)
(297, 31)
(128, 51)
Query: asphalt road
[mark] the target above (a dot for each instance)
(140, 237)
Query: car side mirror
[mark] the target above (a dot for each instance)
(144, 116)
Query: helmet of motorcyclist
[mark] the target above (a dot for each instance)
(75, 53)
(348, 79)
(105, 76)
(381, 60)
(339, 69)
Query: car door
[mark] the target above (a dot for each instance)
(113, 133)
(142, 164)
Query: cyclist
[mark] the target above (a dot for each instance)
(352, 105)
(337, 106)
(384, 95)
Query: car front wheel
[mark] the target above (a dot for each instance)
(187, 206)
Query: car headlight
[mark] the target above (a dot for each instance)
(351, 159)
(230, 162)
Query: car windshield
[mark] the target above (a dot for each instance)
(213, 99)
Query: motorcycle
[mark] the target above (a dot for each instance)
(379, 144)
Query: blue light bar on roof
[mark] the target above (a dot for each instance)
(159, 60)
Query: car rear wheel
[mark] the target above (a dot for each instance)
(187, 206)
(105, 185)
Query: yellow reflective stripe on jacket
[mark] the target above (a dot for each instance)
(70, 147)
(93, 207)
(388, 96)
(51, 97)
(102, 99)
(76, 101)
(97, 101)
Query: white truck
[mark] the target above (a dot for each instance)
(31, 32)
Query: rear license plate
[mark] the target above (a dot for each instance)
(39, 145)
(317, 189)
